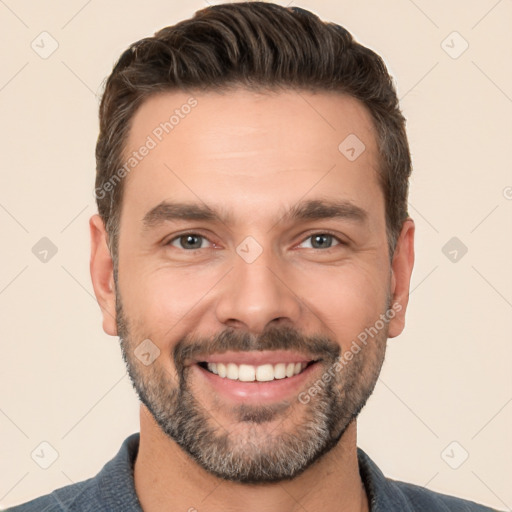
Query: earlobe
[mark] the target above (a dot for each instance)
(102, 274)
(401, 270)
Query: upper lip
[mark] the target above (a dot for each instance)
(256, 358)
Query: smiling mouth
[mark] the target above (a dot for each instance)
(256, 373)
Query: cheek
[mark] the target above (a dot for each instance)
(346, 300)
(164, 304)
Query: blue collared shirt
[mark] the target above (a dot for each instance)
(113, 490)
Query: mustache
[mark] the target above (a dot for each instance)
(274, 338)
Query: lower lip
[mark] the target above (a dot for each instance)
(257, 392)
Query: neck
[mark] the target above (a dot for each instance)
(166, 478)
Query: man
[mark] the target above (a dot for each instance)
(253, 252)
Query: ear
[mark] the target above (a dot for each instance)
(102, 274)
(401, 270)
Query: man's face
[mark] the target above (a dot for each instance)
(272, 263)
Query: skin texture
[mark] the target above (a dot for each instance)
(252, 156)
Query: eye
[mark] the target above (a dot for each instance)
(188, 241)
(321, 241)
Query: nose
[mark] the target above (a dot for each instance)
(258, 293)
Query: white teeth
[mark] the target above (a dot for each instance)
(221, 370)
(232, 371)
(261, 373)
(265, 372)
(280, 371)
(246, 373)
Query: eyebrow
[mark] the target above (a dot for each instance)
(314, 209)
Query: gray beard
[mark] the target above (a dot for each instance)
(256, 454)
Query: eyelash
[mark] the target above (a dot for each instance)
(311, 235)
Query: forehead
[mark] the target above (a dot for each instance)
(247, 149)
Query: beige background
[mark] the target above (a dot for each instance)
(447, 378)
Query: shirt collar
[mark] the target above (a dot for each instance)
(116, 482)
(383, 494)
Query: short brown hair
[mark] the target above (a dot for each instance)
(256, 45)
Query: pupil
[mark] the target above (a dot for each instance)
(192, 241)
(322, 240)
